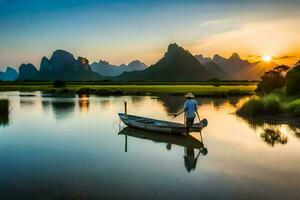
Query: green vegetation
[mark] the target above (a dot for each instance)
(224, 88)
(59, 84)
(284, 98)
(271, 105)
(293, 81)
(294, 108)
(4, 112)
(268, 105)
(272, 80)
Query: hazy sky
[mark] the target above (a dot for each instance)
(120, 31)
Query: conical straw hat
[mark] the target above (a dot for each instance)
(189, 95)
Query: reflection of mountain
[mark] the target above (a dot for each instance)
(62, 109)
(106, 69)
(188, 142)
(172, 104)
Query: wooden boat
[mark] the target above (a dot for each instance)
(159, 125)
(163, 138)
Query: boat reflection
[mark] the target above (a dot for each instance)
(189, 143)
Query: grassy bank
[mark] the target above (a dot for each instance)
(272, 106)
(199, 89)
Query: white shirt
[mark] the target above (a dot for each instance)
(190, 106)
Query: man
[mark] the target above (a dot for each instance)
(190, 108)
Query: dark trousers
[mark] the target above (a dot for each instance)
(188, 123)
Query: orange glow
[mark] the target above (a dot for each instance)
(267, 58)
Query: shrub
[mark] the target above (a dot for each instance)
(252, 107)
(86, 91)
(294, 108)
(103, 92)
(271, 80)
(272, 104)
(63, 91)
(293, 81)
(59, 84)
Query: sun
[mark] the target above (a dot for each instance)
(267, 58)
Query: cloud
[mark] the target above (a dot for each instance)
(283, 57)
(210, 22)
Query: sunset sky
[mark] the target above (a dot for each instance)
(120, 31)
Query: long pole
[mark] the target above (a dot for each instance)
(125, 107)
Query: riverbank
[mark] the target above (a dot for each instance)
(272, 107)
(221, 89)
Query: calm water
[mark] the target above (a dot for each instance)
(69, 148)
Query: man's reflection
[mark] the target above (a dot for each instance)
(189, 143)
(190, 160)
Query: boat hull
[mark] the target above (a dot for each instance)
(158, 125)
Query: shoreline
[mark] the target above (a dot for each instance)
(279, 119)
(199, 90)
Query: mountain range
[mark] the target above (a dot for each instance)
(9, 75)
(106, 69)
(177, 64)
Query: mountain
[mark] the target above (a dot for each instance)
(238, 69)
(203, 60)
(9, 75)
(176, 65)
(28, 72)
(212, 67)
(63, 66)
(216, 70)
(219, 59)
(254, 71)
(106, 69)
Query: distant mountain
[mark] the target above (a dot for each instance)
(176, 65)
(106, 69)
(239, 69)
(254, 71)
(217, 72)
(203, 60)
(219, 59)
(28, 72)
(9, 75)
(63, 66)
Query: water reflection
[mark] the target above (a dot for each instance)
(174, 104)
(46, 105)
(4, 112)
(189, 143)
(84, 103)
(272, 133)
(273, 136)
(63, 108)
